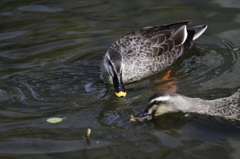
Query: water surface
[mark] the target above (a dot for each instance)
(50, 52)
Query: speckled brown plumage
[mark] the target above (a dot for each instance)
(228, 107)
(149, 50)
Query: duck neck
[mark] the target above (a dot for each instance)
(227, 107)
(200, 106)
(195, 105)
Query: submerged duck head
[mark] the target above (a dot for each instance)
(113, 65)
(166, 102)
(160, 103)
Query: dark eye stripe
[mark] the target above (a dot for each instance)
(158, 103)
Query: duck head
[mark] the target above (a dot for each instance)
(160, 103)
(113, 64)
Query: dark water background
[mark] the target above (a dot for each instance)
(50, 52)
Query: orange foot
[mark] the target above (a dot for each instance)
(169, 85)
(166, 77)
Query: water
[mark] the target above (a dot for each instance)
(50, 52)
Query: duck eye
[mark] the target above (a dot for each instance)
(145, 111)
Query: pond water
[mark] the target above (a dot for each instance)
(50, 52)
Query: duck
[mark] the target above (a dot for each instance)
(146, 51)
(166, 102)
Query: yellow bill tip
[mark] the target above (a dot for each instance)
(121, 94)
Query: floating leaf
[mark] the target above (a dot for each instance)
(55, 119)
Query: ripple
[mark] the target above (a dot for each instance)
(11, 35)
(43, 146)
(36, 50)
(49, 66)
(214, 64)
(5, 13)
(228, 4)
(39, 8)
(227, 74)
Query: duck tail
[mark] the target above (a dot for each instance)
(197, 31)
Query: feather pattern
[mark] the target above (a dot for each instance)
(166, 102)
(150, 50)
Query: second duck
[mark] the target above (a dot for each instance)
(146, 51)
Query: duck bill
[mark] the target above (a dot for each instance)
(119, 87)
(142, 115)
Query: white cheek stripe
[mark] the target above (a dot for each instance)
(107, 56)
(164, 98)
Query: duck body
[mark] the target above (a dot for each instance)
(166, 102)
(228, 107)
(147, 51)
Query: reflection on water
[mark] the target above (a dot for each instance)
(50, 53)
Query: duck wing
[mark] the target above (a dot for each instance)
(153, 40)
